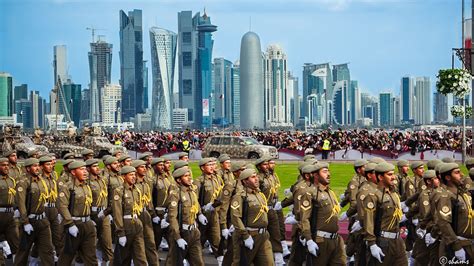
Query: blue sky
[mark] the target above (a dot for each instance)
(381, 39)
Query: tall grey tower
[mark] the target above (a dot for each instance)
(131, 63)
(100, 66)
(251, 82)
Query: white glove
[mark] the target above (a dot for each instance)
(249, 242)
(164, 224)
(343, 216)
(420, 232)
(460, 254)
(287, 193)
(376, 252)
(202, 219)
(404, 207)
(73, 230)
(208, 207)
(28, 228)
(182, 243)
(355, 227)
(6, 249)
(415, 222)
(231, 229)
(277, 206)
(429, 240)
(303, 241)
(101, 214)
(312, 247)
(342, 197)
(156, 220)
(225, 233)
(404, 218)
(60, 218)
(123, 241)
(291, 220)
(111, 218)
(16, 214)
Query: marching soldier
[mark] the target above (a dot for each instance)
(147, 213)
(249, 217)
(65, 175)
(15, 170)
(125, 160)
(69, 156)
(75, 200)
(128, 227)
(99, 211)
(167, 169)
(9, 239)
(454, 216)
(382, 215)
(32, 194)
(403, 168)
(150, 174)
(183, 210)
(117, 153)
(319, 216)
(87, 154)
(224, 172)
(183, 156)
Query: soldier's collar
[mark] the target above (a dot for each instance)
(251, 190)
(128, 186)
(78, 183)
(93, 177)
(47, 177)
(4, 176)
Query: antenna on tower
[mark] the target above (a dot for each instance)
(92, 29)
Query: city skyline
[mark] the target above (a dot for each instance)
(417, 59)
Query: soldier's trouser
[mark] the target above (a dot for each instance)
(9, 229)
(261, 254)
(160, 232)
(281, 224)
(41, 236)
(420, 252)
(135, 246)
(331, 252)
(193, 252)
(56, 229)
(149, 239)
(298, 251)
(85, 243)
(394, 250)
(104, 237)
(274, 231)
(211, 231)
(434, 253)
(229, 254)
(468, 247)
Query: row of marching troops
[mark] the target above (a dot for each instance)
(125, 212)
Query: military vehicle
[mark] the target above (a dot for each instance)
(237, 147)
(60, 146)
(11, 138)
(100, 145)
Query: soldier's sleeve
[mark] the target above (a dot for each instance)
(424, 204)
(353, 189)
(225, 198)
(444, 215)
(347, 196)
(236, 216)
(22, 190)
(305, 214)
(412, 199)
(413, 211)
(287, 201)
(63, 205)
(369, 207)
(173, 215)
(409, 190)
(117, 212)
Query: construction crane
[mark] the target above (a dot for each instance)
(92, 29)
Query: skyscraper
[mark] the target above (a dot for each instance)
(440, 110)
(318, 81)
(422, 104)
(407, 97)
(100, 66)
(60, 63)
(222, 96)
(24, 113)
(146, 92)
(251, 82)
(341, 72)
(164, 76)
(294, 100)
(111, 112)
(6, 94)
(131, 63)
(37, 110)
(386, 108)
(73, 100)
(236, 94)
(341, 103)
(20, 92)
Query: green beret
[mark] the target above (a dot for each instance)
(166, 158)
(180, 172)
(114, 153)
(31, 161)
(308, 169)
(87, 152)
(384, 167)
(205, 161)
(376, 160)
(446, 167)
(180, 164)
(45, 159)
(249, 166)
(69, 154)
(438, 167)
(105, 157)
(247, 173)
(223, 158)
(3, 160)
(309, 156)
(416, 164)
(360, 162)
(8, 153)
(429, 174)
(236, 166)
(402, 163)
(137, 163)
(76, 164)
(320, 166)
(32, 152)
(91, 162)
(302, 165)
(67, 162)
(157, 160)
(262, 160)
(471, 172)
(370, 167)
(127, 169)
(124, 157)
(111, 160)
(432, 163)
(469, 161)
(447, 160)
(182, 154)
(144, 155)
(51, 155)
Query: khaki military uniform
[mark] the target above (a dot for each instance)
(127, 208)
(225, 175)
(331, 245)
(115, 181)
(15, 172)
(184, 225)
(148, 212)
(428, 222)
(52, 212)
(254, 225)
(65, 177)
(269, 186)
(77, 213)
(100, 196)
(401, 179)
(8, 226)
(160, 198)
(388, 202)
(351, 195)
(420, 209)
(32, 194)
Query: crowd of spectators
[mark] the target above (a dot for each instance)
(394, 141)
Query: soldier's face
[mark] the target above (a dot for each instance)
(456, 177)
(118, 155)
(130, 178)
(35, 155)
(271, 165)
(47, 167)
(34, 169)
(264, 166)
(207, 169)
(361, 170)
(141, 170)
(372, 177)
(127, 162)
(94, 169)
(184, 158)
(226, 165)
(419, 171)
(387, 179)
(80, 173)
(87, 157)
(4, 168)
(435, 182)
(12, 158)
(148, 159)
(167, 166)
(115, 167)
(185, 180)
(160, 167)
(324, 176)
(214, 166)
(252, 181)
(405, 169)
